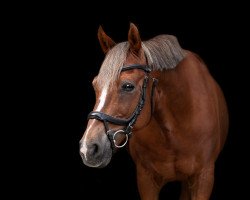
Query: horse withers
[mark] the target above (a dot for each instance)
(162, 102)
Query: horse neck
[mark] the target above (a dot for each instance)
(169, 98)
(178, 90)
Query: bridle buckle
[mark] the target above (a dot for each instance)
(124, 143)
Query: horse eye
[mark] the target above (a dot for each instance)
(128, 87)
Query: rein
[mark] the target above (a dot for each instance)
(128, 123)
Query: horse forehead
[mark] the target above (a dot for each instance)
(139, 58)
(102, 90)
(105, 90)
(102, 98)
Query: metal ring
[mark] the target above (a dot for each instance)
(120, 146)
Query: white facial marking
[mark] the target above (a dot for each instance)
(102, 99)
(84, 149)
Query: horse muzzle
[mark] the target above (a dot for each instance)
(96, 153)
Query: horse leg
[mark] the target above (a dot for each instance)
(148, 187)
(201, 184)
(185, 192)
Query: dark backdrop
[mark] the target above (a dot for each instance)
(65, 57)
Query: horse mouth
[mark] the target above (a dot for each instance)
(97, 163)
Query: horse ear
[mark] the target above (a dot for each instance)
(105, 41)
(134, 38)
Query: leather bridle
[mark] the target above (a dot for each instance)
(127, 123)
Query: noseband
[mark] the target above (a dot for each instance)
(127, 123)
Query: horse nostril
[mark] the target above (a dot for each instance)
(94, 149)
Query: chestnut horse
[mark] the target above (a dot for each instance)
(162, 101)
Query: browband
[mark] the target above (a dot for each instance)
(145, 68)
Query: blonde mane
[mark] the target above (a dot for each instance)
(162, 52)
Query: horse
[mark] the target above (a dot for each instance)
(161, 102)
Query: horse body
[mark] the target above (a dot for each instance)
(187, 132)
(179, 133)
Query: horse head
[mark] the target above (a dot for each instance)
(123, 88)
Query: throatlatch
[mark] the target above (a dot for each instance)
(128, 123)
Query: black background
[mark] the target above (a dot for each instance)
(61, 58)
